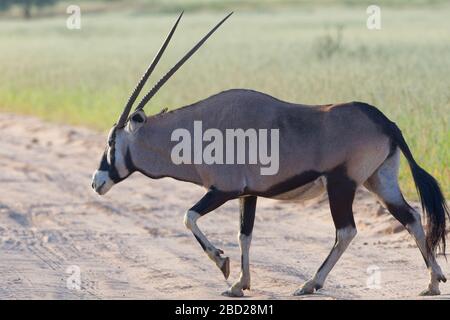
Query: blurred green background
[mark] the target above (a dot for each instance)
(311, 52)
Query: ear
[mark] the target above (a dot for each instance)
(137, 119)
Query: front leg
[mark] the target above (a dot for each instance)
(247, 217)
(210, 201)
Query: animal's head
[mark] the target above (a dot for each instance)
(116, 162)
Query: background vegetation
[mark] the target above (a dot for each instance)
(305, 52)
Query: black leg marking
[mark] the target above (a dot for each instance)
(319, 286)
(247, 219)
(210, 201)
(341, 193)
(247, 214)
(404, 214)
(401, 212)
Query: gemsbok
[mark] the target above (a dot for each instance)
(333, 148)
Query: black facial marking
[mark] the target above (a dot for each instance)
(129, 162)
(104, 165)
(113, 173)
(111, 166)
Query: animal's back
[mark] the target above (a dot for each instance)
(243, 108)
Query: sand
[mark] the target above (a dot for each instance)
(132, 244)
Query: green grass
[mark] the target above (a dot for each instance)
(84, 77)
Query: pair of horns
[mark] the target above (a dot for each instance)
(124, 116)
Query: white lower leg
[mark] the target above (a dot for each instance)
(244, 277)
(416, 230)
(343, 238)
(190, 221)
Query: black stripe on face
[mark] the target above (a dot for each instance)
(104, 165)
(129, 162)
(110, 166)
(114, 174)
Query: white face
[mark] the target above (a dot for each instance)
(113, 166)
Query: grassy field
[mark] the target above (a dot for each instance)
(305, 54)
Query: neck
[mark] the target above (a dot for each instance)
(151, 151)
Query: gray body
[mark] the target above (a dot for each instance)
(308, 136)
(333, 148)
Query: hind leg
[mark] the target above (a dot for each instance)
(384, 183)
(341, 192)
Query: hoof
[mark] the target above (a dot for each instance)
(237, 289)
(303, 292)
(225, 268)
(308, 288)
(233, 292)
(430, 292)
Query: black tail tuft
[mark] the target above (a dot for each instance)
(433, 201)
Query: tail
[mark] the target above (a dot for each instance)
(433, 201)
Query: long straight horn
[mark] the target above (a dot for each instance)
(167, 76)
(126, 111)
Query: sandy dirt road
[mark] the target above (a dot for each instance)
(132, 243)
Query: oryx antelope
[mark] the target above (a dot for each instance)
(326, 148)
